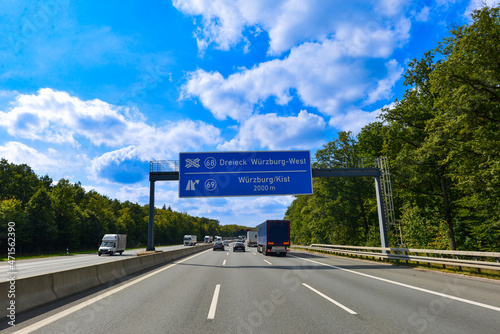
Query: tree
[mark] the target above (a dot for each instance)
(67, 216)
(18, 181)
(422, 178)
(338, 211)
(466, 127)
(11, 210)
(40, 222)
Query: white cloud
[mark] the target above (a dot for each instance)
(19, 153)
(478, 4)
(423, 15)
(273, 132)
(222, 22)
(248, 208)
(135, 193)
(57, 117)
(287, 22)
(329, 44)
(222, 97)
(383, 91)
(354, 120)
(110, 158)
(371, 38)
(320, 73)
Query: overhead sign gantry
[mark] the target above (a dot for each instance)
(258, 173)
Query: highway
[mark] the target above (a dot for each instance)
(246, 292)
(38, 266)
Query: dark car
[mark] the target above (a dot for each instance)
(238, 246)
(219, 245)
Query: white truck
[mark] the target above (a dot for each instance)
(189, 240)
(113, 243)
(208, 239)
(252, 238)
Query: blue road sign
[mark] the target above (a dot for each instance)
(252, 173)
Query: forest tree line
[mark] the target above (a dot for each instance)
(442, 141)
(51, 217)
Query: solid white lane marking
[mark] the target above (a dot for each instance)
(463, 300)
(268, 262)
(213, 306)
(224, 263)
(345, 308)
(91, 301)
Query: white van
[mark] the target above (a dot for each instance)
(113, 243)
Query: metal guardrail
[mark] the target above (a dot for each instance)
(442, 257)
(164, 166)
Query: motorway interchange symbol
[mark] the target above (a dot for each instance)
(192, 163)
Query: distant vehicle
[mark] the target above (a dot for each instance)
(252, 238)
(273, 237)
(189, 240)
(217, 238)
(226, 243)
(112, 244)
(208, 239)
(218, 245)
(238, 245)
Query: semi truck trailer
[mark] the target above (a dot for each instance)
(273, 237)
(190, 240)
(252, 238)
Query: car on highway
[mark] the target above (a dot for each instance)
(226, 243)
(218, 245)
(238, 245)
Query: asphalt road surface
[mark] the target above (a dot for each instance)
(246, 292)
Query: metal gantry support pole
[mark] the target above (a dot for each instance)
(381, 216)
(153, 177)
(151, 225)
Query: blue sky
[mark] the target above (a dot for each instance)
(91, 91)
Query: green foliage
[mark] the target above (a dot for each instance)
(340, 211)
(422, 228)
(442, 138)
(40, 222)
(442, 141)
(19, 181)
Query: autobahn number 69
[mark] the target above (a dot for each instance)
(210, 184)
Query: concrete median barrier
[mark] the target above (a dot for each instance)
(133, 265)
(167, 257)
(69, 282)
(30, 292)
(159, 258)
(108, 272)
(148, 261)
